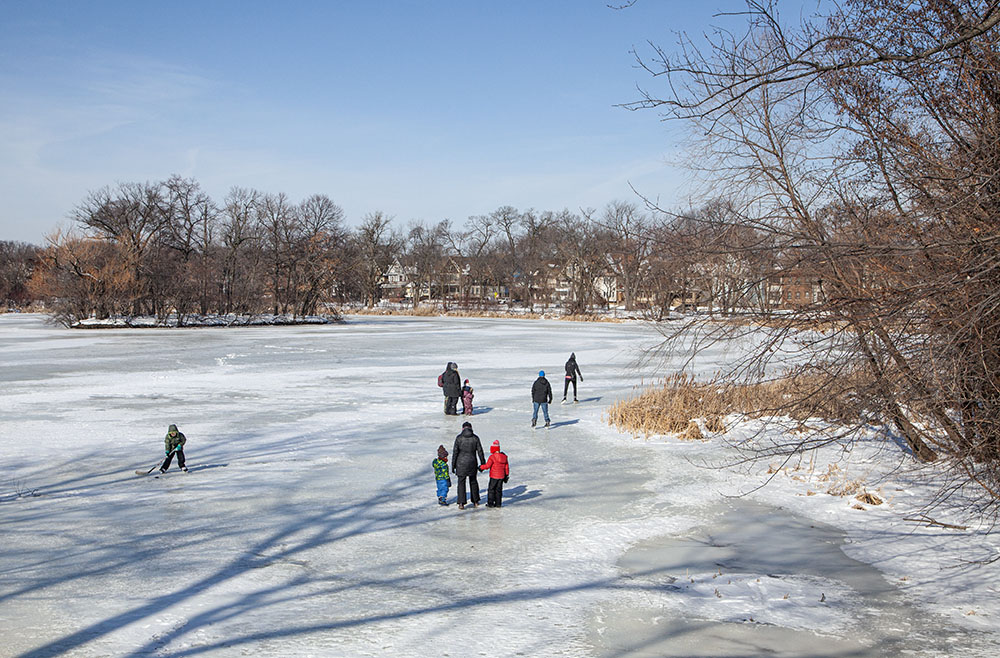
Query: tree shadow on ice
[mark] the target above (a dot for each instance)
(398, 504)
(304, 531)
(700, 637)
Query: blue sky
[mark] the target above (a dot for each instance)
(424, 110)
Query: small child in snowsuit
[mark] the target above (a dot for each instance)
(467, 399)
(441, 475)
(173, 444)
(499, 474)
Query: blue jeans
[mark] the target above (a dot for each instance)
(442, 488)
(545, 410)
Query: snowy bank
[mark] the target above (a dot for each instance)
(196, 320)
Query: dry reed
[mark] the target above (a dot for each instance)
(680, 403)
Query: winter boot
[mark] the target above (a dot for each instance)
(546, 423)
(461, 506)
(533, 421)
(563, 401)
(442, 501)
(575, 401)
(184, 468)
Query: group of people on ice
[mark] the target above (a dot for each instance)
(451, 382)
(541, 391)
(468, 461)
(467, 453)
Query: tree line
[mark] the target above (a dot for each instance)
(167, 248)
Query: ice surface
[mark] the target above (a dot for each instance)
(308, 524)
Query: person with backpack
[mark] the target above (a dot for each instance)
(499, 468)
(541, 396)
(451, 383)
(572, 370)
(467, 456)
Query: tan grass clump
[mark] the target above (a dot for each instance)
(434, 310)
(869, 498)
(672, 406)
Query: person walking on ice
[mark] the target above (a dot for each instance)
(541, 396)
(572, 370)
(499, 469)
(467, 396)
(467, 455)
(441, 475)
(173, 444)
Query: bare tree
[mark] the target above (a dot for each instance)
(377, 245)
(864, 147)
(631, 248)
(17, 261)
(241, 254)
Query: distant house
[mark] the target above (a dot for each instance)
(397, 282)
(794, 289)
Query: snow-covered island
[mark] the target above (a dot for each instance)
(198, 320)
(308, 524)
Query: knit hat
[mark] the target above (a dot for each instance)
(442, 453)
(467, 424)
(541, 373)
(495, 447)
(466, 381)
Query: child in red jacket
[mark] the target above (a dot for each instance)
(499, 473)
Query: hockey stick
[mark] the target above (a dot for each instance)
(158, 464)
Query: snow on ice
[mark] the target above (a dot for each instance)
(308, 525)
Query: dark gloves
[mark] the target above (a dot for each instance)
(505, 478)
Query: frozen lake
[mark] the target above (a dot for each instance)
(308, 524)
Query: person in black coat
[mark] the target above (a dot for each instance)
(466, 458)
(451, 382)
(572, 370)
(541, 396)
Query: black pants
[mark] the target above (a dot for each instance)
(566, 387)
(170, 458)
(473, 489)
(451, 406)
(495, 493)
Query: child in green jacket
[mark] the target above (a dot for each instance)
(173, 444)
(441, 475)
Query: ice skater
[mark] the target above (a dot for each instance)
(541, 396)
(441, 475)
(572, 370)
(173, 444)
(499, 474)
(467, 456)
(467, 396)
